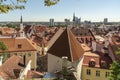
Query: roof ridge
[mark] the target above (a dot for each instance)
(35, 47)
(75, 42)
(69, 43)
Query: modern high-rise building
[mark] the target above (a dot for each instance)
(105, 20)
(51, 22)
(76, 20)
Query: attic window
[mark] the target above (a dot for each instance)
(92, 63)
(19, 46)
(103, 64)
(105, 48)
(90, 39)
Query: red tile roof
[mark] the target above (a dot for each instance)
(7, 31)
(88, 56)
(39, 29)
(34, 74)
(7, 70)
(83, 35)
(13, 43)
(98, 59)
(39, 40)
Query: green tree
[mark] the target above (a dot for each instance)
(115, 67)
(7, 5)
(3, 48)
(11, 25)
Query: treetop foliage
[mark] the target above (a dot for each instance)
(115, 67)
(8, 5)
(2, 46)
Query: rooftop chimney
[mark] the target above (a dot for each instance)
(93, 46)
(1, 60)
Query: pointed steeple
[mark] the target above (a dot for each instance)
(21, 27)
(21, 19)
(21, 24)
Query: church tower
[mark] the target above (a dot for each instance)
(21, 27)
(21, 24)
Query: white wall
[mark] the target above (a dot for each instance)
(1, 78)
(111, 54)
(24, 73)
(93, 45)
(1, 57)
(79, 69)
(54, 63)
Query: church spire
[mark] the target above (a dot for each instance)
(21, 27)
(21, 19)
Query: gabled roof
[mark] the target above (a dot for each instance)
(7, 70)
(55, 37)
(88, 56)
(39, 40)
(40, 29)
(67, 45)
(98, 58)
(27, 28)
(7, 31)
(12, 44)
(82, 32)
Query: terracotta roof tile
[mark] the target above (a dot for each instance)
(13, 44)
(34, 74)
(8, 68)
(88, 56)
(27, 28)
(39, 29)
(7, 31)
(98, 59)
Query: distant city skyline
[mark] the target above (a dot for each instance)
(91, 10)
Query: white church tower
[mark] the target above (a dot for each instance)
(21, 27)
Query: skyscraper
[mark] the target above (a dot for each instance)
(76, 20)
(51, 22)
(105, 20)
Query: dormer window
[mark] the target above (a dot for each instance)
(92, 63)
(19, 46)
(105, 48)
(103, 64)
(90, 39)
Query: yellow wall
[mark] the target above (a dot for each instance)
(93, 74)
(31, 55)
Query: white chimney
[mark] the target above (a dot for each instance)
(22, 34)
(24, 73)
(1, 57)
(106, 43)
(93, 45)
(64, 61)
